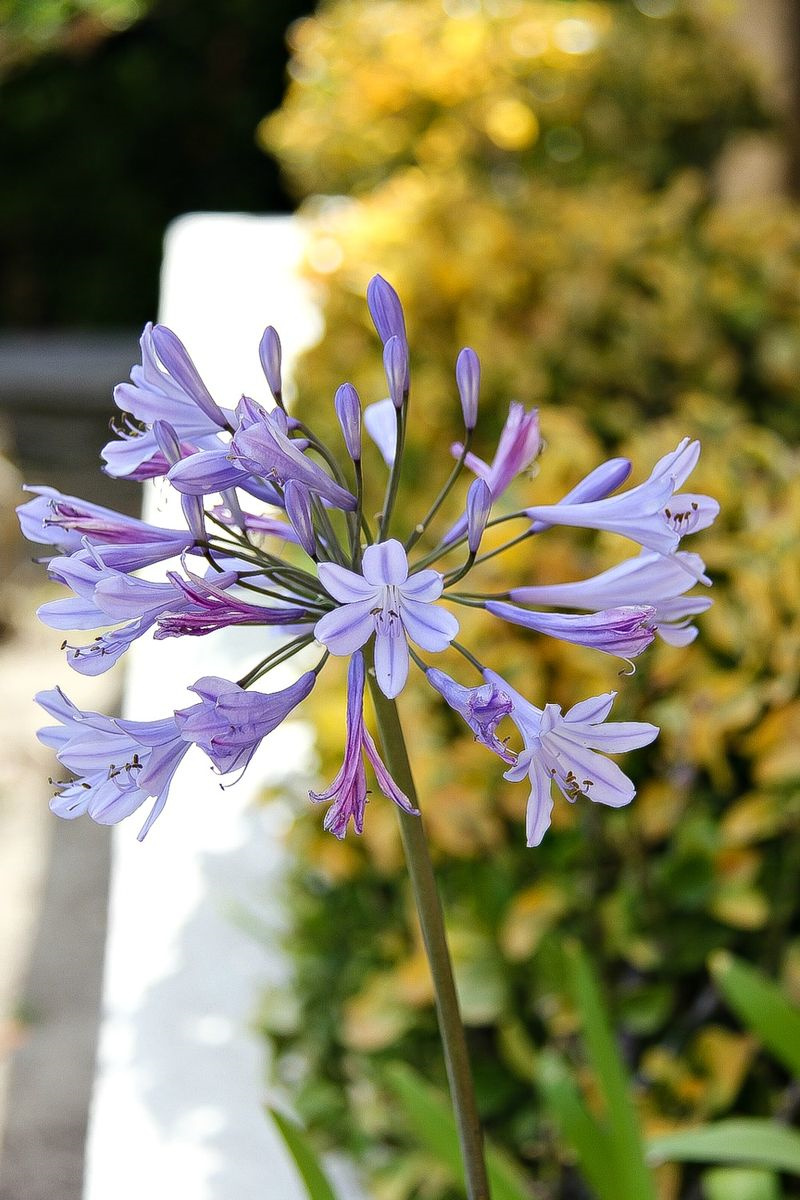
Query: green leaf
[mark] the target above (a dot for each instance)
(761, 1005)
(740, 1183)
(753, 1141)
(304, 1158)
(634, 1181)
(577, 1126)
(431, 1119)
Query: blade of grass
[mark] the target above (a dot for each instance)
(588, 1141)
(430, 1118)
(761, 1005)
(752, 1141)
(303, 1157)
(634, 1180)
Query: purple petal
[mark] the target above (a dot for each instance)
(380, 420)
(391, 661)
(431, 627)
(175, 357)
(540, 805)
(593, 710)
(385, 562)
(468, 380)
(624, 631)
(346, 629)
(269, 352)
(385, 309)
(345, 586)
(424, 585)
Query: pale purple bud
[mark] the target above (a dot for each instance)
(269, 352)
(479, 505)
(348, 410)
(395, 364)
(468, 378)
(385, 309)
(298, 510)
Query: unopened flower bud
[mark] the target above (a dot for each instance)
(395, 364)
(479, 505)
(348, 410)
(468, 378)
(269, 352)
(298, 510)
(385, 309)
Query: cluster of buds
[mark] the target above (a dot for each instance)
(277, 534)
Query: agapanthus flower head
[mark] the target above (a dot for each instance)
(282, 538)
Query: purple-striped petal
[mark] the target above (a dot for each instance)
(391, 659)
(624, 631)
(345, 630)
(346, 586)
(385, 562)
(424, 585)
(431, 627)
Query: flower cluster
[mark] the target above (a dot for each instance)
(314, 564)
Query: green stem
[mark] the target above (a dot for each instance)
(443, 494)
(429, 910)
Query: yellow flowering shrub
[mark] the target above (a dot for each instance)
(612, 290)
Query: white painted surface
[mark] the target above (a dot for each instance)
(178, 1106)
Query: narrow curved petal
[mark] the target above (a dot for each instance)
(624, 631)
(385, 562)
(591, 711)
(345, 586)
(391, 662)
(615, 737)
(431, 627)
(540, 804)
(345, 630)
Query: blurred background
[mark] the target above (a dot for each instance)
(601, 198)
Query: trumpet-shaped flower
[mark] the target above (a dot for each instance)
(563, 749)
(651, 513)
(387, 601)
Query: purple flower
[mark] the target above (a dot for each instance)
(386, 601)
(208, 607)
(103, 596)
(385, 309)
(468, 380)
(124, 542)
(166, 387)
(348, 411)
(650, 514)
(269, 351)
(625, 631)
(561, 749)
(347, 795)
(395, 364)
(654, 579)
(262, 449)
(483, 708)
(229, 723)
(298, 510)
(479, 506)
(120, 764)
(518, 446)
